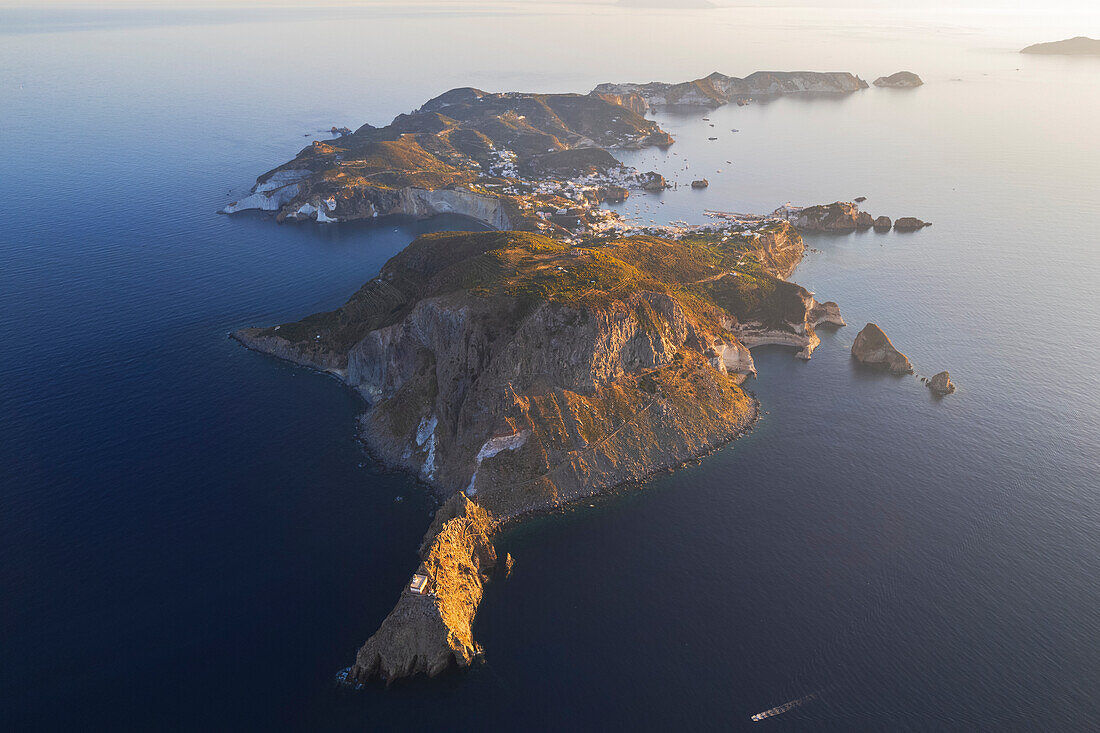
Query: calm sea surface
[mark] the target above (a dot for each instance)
(191, 539)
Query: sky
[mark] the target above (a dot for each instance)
(945, 5)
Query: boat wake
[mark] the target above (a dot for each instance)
(780, 709)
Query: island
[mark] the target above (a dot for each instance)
(558, 352)
(718, 89)
(1079, 46)
(900, 80)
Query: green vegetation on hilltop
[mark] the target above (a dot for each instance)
(703, 272)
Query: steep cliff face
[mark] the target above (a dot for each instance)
(515, 373)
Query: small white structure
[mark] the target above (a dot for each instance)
(419, 584)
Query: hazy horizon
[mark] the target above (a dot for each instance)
(908, 6)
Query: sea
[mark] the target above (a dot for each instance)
(192, 539)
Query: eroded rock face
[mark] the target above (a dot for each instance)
(874, 348)
(883, 224)
(941, 384)
(426, 633)
(900, 80)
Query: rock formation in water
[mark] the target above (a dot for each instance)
(1079, 46)
(514, 373)
(883, 224)
(718, 89)
(900, 80)
(873, 347)
(941, 384)
(910, 224)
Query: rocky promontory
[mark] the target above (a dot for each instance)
(428, 631)
(874, 348)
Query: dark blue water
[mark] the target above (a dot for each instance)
(191, 539)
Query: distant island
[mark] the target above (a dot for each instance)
(560, 355)
(1079, 46)
(900, 80)
(680, 4)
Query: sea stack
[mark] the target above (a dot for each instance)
(883, 224)
(941, 384)
(873, 347)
